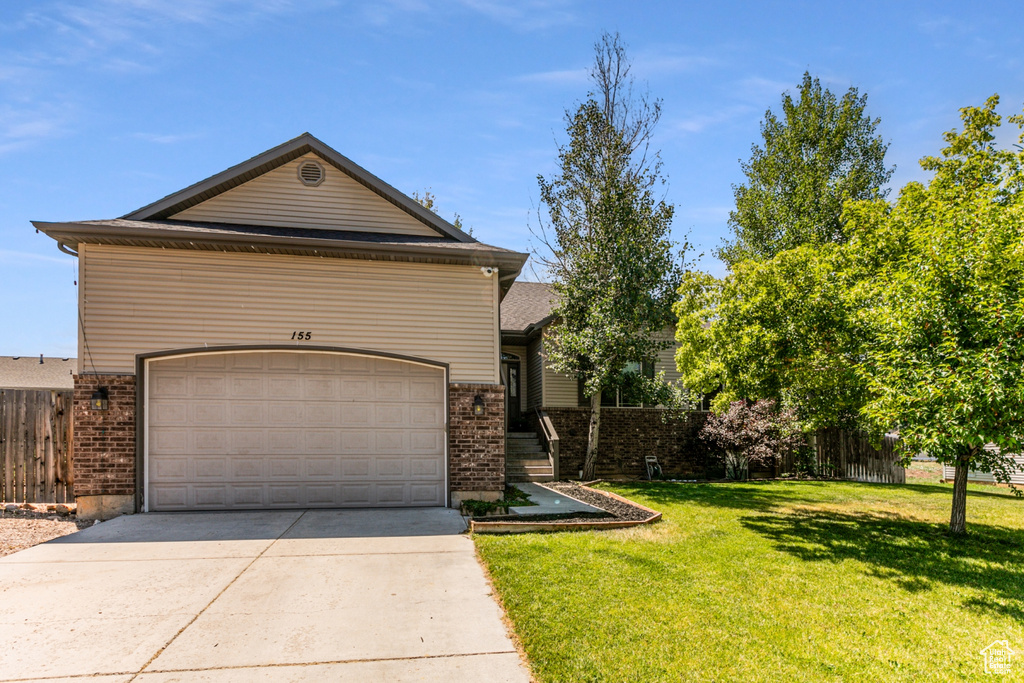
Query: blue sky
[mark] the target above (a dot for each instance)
(106, 106)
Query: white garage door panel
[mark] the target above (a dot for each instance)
(282, 429)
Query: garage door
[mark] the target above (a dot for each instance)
(278, 429)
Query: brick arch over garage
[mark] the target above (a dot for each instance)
(283, 426)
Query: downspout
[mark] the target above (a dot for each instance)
(66, 250)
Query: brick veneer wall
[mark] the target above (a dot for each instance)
(628, 435)
(476, 444)
(104, 455)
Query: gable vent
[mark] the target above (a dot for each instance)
(311, 173)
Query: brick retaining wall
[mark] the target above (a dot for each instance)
(628, 435)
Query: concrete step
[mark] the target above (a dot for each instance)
(527, 462)
(529, 477)
(532, 448)
(529, 469)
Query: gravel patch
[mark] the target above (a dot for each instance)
(20, 529)
(616, 508)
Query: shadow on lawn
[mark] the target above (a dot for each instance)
(913, 554)
(767, 494)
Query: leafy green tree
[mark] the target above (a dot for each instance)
(817, 153)
(427, 201)
(781, 329)
(945, 362)
(614, 268)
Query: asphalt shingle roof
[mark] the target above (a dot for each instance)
(214, 229)
(526, 304)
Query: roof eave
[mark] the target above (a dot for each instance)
(509, 263)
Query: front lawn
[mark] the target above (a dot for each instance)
(779, 581)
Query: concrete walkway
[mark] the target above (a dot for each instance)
(548, 502)
(320, 595)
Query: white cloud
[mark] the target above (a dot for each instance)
(100, 33)
(29, 122)
(704, 214)
(165, 138)
(51, 40)
(524, 15)
(12, 257)
(557, 77)
(649, 64)
(763, 91)
(699, 122)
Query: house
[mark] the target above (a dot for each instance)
(42, 373)
(1016, 472)
(547, 403)
(291, 332)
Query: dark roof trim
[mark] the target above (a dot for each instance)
(531, 331)
(508, 262)
(278, 156)
(537, 326)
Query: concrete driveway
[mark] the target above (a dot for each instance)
(320, 595)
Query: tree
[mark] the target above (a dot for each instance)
(782, 329)
(614, 269)
(427, 202)
(757, 433)
(945, 362)
(818, 153)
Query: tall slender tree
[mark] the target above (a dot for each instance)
(615, 270)
(818, 152)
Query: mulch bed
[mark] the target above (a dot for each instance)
(618, 509)
(24, 528)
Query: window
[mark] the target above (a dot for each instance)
(628, 394)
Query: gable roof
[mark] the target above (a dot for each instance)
(160, 224)
(278, 156)
(527, 307)
(32, 372)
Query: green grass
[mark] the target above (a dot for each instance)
(779, 581)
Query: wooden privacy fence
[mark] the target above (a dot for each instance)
(35, 446)
(849, 455)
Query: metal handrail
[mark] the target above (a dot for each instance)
(551, 440)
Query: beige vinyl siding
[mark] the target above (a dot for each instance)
(560, 391)
(667, 357)
(278, 198)
(139, 300)
(533, 368)
(1016, 473)
(524, 374)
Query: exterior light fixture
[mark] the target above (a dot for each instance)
(100, 399)
(478, 405)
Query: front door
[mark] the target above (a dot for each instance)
(512, 388)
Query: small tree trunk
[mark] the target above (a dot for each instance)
(590, 461)
(958, 517)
